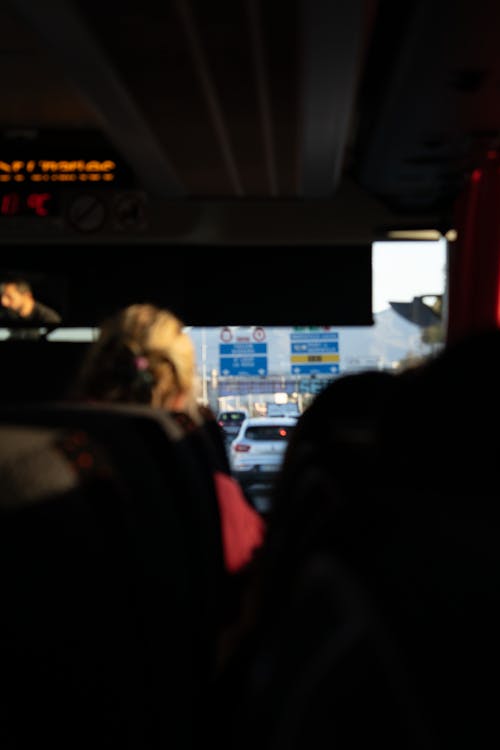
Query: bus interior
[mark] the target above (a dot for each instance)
(233, 161)
(265, 139)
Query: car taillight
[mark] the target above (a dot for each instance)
(241, 448)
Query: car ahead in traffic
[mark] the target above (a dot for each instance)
(256, 455)
(230, 421)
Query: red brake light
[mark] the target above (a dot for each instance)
(241, 448)
(283, 432)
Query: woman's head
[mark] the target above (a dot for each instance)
(142, 355)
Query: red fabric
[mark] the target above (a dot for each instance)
(474, 260)
(243, 528)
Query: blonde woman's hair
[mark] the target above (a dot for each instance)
(142, 355)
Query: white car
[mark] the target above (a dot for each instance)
(256, 453)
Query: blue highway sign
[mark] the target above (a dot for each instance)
(243, 358)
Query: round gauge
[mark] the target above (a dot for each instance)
(87, 213)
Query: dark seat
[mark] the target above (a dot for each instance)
(377, 610)
(111, 581)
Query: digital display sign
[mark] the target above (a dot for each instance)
(50, 159)
(61, 170)
(34, 203)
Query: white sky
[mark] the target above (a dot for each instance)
(403, 270)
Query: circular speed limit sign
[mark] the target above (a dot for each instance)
(259, 334)
(226, 335)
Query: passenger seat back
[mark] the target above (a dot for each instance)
(110, 581)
